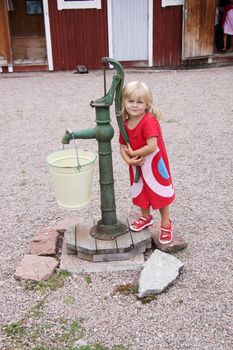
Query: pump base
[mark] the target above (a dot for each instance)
(122, 247)
(108, 233)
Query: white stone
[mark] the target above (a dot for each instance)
(158, 272)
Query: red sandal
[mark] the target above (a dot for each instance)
(165, 235)
(141, 223)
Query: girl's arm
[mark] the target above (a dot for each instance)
(130, 160)
(144, 151)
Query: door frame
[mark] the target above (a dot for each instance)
(150, 31)
(6, 61)
(48, 35)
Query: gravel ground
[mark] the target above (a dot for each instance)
(194, 313)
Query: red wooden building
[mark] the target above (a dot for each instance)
(62, 34)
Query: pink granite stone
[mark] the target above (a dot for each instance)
(175, 245)
(35, 268)
(63, 225)
(44, 242)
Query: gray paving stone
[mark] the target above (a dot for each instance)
(159, 271)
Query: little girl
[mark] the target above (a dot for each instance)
(227, 24)
(146, 151)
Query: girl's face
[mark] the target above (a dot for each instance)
(135, 106)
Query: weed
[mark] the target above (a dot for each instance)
(14, 329)
(87, 279)
(75, 327)
(69, 300)
(98, 346)
(148, 299)
(35, 310)
(71, 333)
(55, 282)
(91, 347)
(126, 289)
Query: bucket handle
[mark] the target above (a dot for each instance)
(75, 145)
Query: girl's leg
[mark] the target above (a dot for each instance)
(165, 219)
(165, 235)
(144, 221)
(145, 213)
(225, 42)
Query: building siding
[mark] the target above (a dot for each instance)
(79, 37)
(167, 34)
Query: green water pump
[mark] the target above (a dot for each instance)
(108, 227)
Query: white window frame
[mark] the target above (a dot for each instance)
(68, 5)
(166, 3)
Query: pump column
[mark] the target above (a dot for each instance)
(104, 134)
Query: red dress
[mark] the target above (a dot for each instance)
(154, 187)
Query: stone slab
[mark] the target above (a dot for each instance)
(35, 268)
(177, 243)
(63, 225)
(74, 264)
(44, 242)
(159, 271)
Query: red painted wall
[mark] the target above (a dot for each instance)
(79, 37)
(167, 34)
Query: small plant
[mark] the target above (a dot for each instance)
(69, 300)
(88, 279)
(70, 333)
(148, 299)
(75, 327)
(14, 329)
(36, 310)
(91, 347)
(98, 346)
(53, 283)
(126, 289)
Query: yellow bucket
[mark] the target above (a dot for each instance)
(72, 177)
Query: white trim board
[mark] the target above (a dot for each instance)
(48, 34)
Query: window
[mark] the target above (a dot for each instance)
(78, 4)
(34, 7)
(172, 2)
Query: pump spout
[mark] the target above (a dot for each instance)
(89, 133)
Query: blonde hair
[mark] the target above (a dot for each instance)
(144, 92)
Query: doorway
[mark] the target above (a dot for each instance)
(27, 32)
(219, 33)
(129, 39)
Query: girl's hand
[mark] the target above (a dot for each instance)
(129, 150)
(137, 161)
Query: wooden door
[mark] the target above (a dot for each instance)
(198, 28)
(5, 46)
(130, 29)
